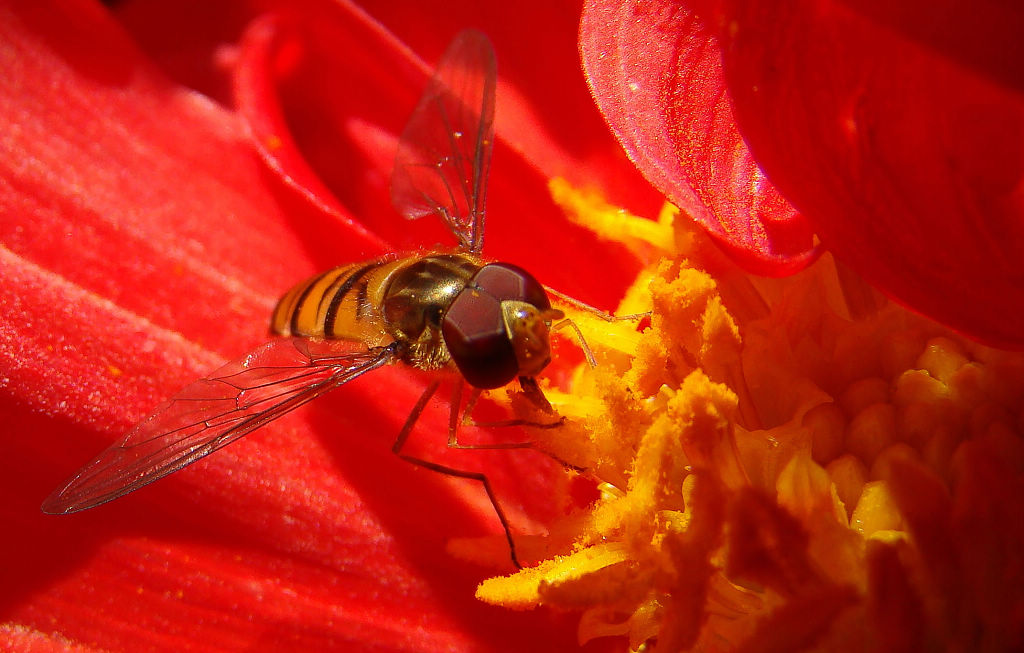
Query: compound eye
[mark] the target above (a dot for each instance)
(474, 332)
(510, 282)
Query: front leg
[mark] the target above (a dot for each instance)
(532, 392)
(596, 312)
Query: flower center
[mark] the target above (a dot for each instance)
(786, 472)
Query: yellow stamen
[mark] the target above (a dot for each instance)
(780, 489)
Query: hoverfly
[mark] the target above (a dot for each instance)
(488, 322)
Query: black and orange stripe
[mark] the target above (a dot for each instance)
(346, 302)
(338, 304)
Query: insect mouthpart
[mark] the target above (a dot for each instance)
(527, 327)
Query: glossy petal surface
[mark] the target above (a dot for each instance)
(656, 73)
(892, 132)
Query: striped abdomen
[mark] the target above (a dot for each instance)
(377, 302)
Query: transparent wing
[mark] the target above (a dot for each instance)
(445, 151)
(213, 412)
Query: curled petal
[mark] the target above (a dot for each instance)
(656, 74)
(899, 133)
(267, 51)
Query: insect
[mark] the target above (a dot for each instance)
(486, 323)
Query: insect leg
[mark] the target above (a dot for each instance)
(410, 421)
(533, 392)
(596, 312)
(583, 341)
(403, 436)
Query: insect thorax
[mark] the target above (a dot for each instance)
(417, 297)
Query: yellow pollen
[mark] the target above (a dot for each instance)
(777, 467)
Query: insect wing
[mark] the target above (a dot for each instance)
(445, 151)
(213, 412)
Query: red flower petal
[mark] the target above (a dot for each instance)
(141, 243)
(266, 47)
(893, 129)
(355, 156)
(15, 637)
(656, 74)
(350, 87)
(545, 112)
